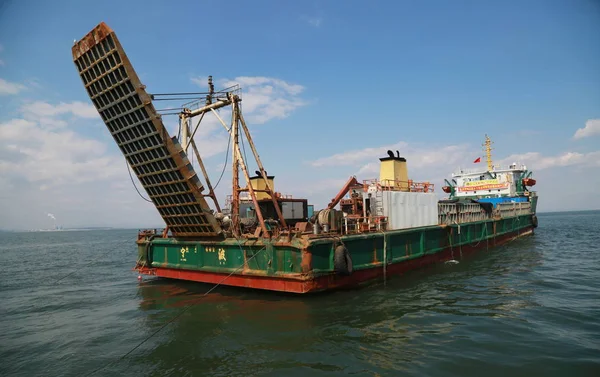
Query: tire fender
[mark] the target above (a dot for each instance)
(342, 261)
(147, 250)
(534, 221)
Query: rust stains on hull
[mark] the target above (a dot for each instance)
(308, 283)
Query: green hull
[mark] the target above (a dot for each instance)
(298, 265)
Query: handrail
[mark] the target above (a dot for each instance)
(398, 185)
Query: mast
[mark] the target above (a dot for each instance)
(238, 159)
(235, 204)
(183, 126)
(240, 163)
(488, 152)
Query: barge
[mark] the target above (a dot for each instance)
(261, 239)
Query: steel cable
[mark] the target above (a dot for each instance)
(182, 311)
(134, 185)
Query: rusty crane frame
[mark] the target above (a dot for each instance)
(238, 162)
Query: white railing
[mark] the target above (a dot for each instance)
(482, 170)
(462, 172)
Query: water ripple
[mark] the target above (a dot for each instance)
(531, 307)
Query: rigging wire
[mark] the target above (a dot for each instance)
(170, 109)
(243, 145)
(185, 309)
(133, 183)
(197, 124)
(94, 260)
(225, 164)
(179, 94)
(173, 113)
(244, 150)
(177, 99)
(224, 90)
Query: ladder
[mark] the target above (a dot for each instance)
(379, 203)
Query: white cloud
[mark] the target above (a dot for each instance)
(2, 62)
(418, 156)
(44, 109)
(51, 158)
(358, 155)
(592, 127)
(536, 161)
(16, 129)
(314, 21)
(44, 163)
(200, 81)
(430, 163)
(52, 123)
(8, 88)
(432, 160)
(268, 84)
(66, 174)
(264, 98)
(436, 163)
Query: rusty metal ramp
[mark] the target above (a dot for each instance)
(158, 160)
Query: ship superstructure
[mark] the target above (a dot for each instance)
(496, 184)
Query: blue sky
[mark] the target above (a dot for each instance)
(328, 87)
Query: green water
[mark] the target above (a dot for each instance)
(531, 307)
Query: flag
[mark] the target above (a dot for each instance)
(478, 160)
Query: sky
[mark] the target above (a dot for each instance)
(327, 88)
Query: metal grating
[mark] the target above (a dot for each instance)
(159, 162)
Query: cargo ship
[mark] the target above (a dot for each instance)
(261, 239)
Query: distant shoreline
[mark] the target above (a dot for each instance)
(82, 229)
(162, 226)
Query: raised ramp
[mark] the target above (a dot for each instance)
(158, 161)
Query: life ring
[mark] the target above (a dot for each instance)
(342, 262)
(534, 221)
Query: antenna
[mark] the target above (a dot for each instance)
(211, 91)
(488, 151)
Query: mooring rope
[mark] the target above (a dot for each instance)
(86, 264)
(186, 308)
(134, 185)
(483, 233)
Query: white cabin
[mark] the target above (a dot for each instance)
(497, 182)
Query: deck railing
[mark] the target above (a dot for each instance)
(397, 185)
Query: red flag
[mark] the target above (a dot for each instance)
(478, 160)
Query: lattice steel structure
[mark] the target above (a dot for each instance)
(158, 160)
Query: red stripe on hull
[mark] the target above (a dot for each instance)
(327, 282)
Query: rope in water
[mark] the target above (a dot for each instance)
(186, 308)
